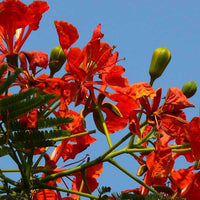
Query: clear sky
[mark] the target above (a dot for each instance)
(137, 27)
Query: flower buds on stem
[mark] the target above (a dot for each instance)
(189, 88)
(57, 59)
(160, 59)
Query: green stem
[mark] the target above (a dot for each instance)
(180, 146)
(126, 150)
(151, 81)
(85, 181)
(139, 150)
(8, 180)
(143, 123)
(74, 136)
(98, 109)
(13, 155)
(22, 159)
(137, 157)
(69, 191)
(15, 158)
(84, 166)
(52, 109)
(131, 141)
(181, 150)
(40, 158)
(49, 105)
(113, 162)
(144, 139)
(130, 144)
(8, 191)
(10, 170)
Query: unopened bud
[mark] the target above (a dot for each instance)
(189, 88)
(159, 62)
(57, 59)
(141, 170)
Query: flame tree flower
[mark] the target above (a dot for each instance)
(17, 21)
(96, 58)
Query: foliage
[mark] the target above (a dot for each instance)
(38, 129)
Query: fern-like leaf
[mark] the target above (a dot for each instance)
(42, 123)
(2, 140)
(10, 79)
(4, 151)
(17, 109)
(35, 143)
(16, 98)
(49, 122)
(2, 70)
(37, 135)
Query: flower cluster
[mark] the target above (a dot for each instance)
(159, 131)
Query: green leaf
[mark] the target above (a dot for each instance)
(37, 135)
(49, 122)
(4, 151)
(2, 70)
(10, 79)
(7, 101)
(19, 108)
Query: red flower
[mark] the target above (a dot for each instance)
(187, 154)
(15, 16)
(193, 136)
(127, 98)
(70, 150)
(67, 33)
(134, 124)
(45, 194)
(92, 173)
(159, 164)
(95, 59)
(35, 58)
(168, 118)
(186, 183)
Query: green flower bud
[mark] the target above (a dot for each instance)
(141, 170)
(189, 88)
(159, 62)
(57, 59)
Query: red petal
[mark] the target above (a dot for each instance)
(183, 178)
(97, 35)
(138, 90)
(91, 174)
(36, 9)
(160, 163)
(194, 136)
(156, 99)
(39, 59)
(45, 194)
(134, 124)
(71, 150)
(114, 78)
(191, 191)
(74, 57)
(176, 100)
(13, 14)
(67, 34)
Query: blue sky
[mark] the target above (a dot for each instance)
(137, 28)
